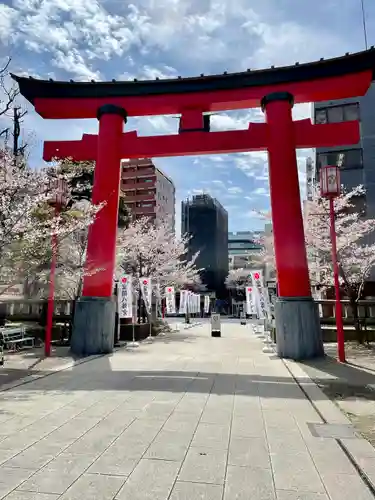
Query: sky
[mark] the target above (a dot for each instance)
(101, 40)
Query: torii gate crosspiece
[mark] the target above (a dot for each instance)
(275, 90)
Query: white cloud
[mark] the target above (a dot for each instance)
(235, 190)
(261, 191)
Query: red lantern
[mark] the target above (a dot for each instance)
(330, 181)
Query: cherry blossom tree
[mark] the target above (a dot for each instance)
(237, 279)
(152, 250)
(355, 245)
(27, 221)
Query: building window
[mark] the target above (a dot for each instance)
(350, 159)
(337, 114)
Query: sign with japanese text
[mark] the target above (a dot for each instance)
(125, 296)
(262, 303)
(170, 300)
(250, 300)
(146, 291)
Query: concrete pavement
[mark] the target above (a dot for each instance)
(185, 417)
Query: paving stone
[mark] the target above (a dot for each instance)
(346, 487)
(244, 483)
(204, 465)
(11, 478)
(249, 452)
(359, 448)
(30, 495)
(211, 436)
(329, 457)
(119, 459)
(169, 445)
(157, 410)
(281, 441)
(49, 481)
(94, 487)
(280, 420)
(141, 485)
(220, 417)
(295, 472)
(6, 455)
(196, 491)
(182, 422)
(300, 495)
(70, 464)
(92, 443)
(245, 427)
(21, 440)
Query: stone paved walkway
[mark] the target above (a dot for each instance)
(186, 417)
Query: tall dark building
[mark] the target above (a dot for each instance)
(205, 220)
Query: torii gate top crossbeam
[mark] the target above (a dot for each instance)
(336, 78)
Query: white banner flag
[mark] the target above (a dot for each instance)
(183, 302)
(125, 296)
(190, 304)
(157, 292)
(257, 280)
(206, 304)
(198, 303)
(146, 291)
(250, 302)
(170, 300)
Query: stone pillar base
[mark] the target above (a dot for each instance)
(298, 332)
(94, 326)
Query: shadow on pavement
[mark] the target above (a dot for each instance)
(341, 381)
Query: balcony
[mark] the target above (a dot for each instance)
(136, 173)
(129, 173)
(133, 198)
(142, 184)
(144, 210)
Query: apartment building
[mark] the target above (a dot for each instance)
(147, 191)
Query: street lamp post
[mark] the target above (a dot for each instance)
(330, 189)
(57, 201)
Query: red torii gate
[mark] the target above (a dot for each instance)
(275, 90)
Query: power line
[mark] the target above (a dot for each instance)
(364, 23)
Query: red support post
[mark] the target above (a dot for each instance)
(338, 305)
(101, 248)
(287, 224)
(51, 293)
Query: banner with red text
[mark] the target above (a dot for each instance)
(262, 303)
(125, 296)
(170, 300)
(250, 300)
(146, 291)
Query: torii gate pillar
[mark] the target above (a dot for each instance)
(297, 318)
(94, 318)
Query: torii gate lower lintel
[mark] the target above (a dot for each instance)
(297, 320)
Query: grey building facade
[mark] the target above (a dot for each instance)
(358, 166)
(205, 220)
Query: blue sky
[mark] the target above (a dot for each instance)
(88, 39)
